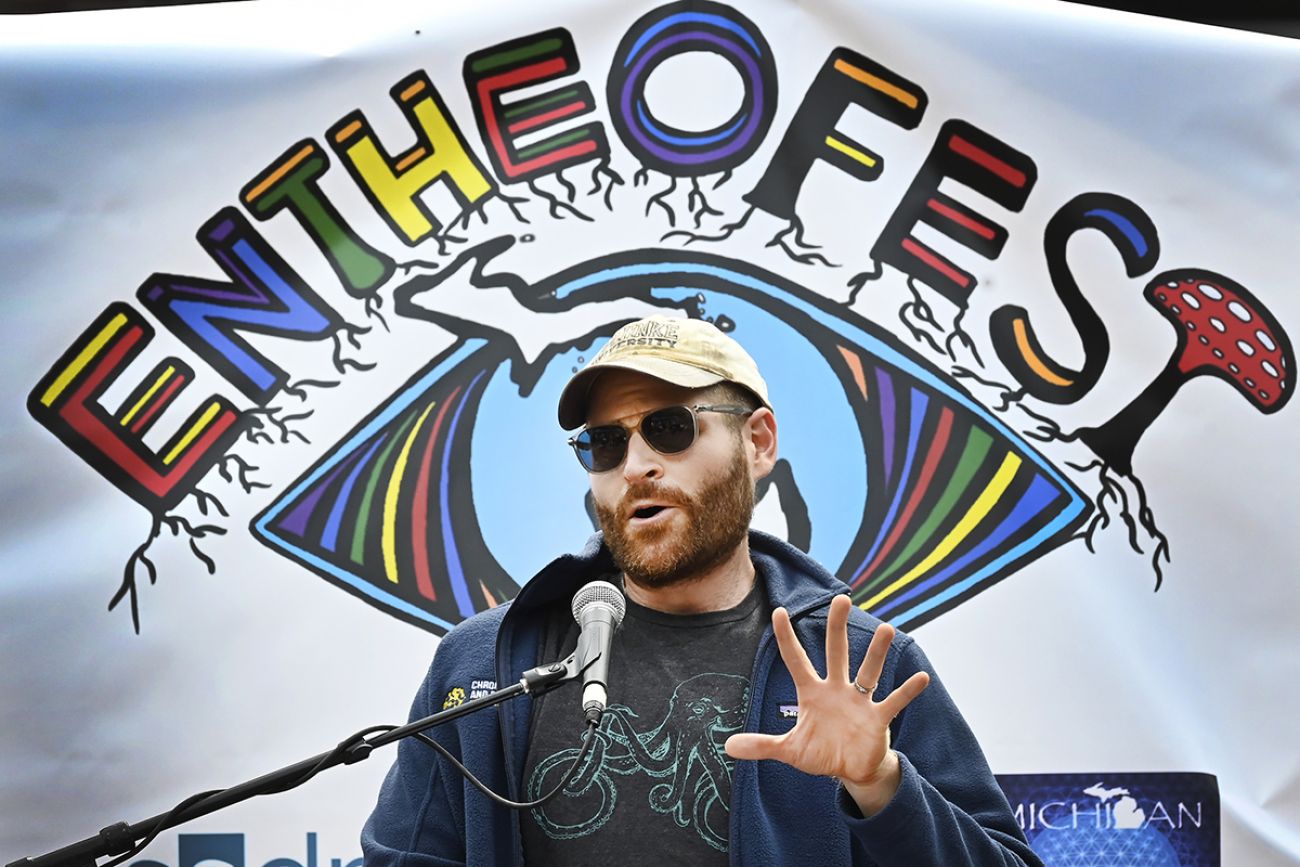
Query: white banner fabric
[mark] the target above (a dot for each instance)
(292, 289)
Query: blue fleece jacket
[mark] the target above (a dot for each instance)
(948, 810)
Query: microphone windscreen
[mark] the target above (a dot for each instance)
(602, 593)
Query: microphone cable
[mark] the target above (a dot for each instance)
(589, 738)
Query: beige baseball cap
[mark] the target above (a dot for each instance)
(691, 353)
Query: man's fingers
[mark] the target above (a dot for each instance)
(801, 669)
(874, 662)
(901, 697)
(752, 746)
(837, 640)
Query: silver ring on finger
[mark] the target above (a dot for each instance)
(865, 690)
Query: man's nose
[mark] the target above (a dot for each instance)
(642, 462)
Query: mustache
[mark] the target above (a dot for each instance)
(650, 491)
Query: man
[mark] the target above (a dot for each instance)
(723, 742)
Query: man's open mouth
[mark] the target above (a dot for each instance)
(648, 511)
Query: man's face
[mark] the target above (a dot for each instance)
(669, 518)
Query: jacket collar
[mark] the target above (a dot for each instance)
(793, 579)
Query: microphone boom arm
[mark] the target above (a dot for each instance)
(121, 838)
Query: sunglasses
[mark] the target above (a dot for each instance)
(668, 431)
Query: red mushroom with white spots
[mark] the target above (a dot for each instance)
(1223, 331)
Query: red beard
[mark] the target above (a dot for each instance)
(664, 554)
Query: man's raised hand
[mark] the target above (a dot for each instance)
(841, 732)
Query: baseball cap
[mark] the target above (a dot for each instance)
(691, 353)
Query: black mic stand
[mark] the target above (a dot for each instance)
(120, 838)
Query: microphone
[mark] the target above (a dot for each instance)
(598, 607)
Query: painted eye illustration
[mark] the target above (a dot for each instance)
(919, 494)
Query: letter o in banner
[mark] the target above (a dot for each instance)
(683, 28)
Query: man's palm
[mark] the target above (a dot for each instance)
(841, 732)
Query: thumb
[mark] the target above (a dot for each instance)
(753, 746)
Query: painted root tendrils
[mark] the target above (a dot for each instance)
(602, 170)
(699, 204)
(240, 474)
(424, 266)
(1007, 396)
(724, 233)
(262, 418)
(202, 499)
(512, 202)
(794, 231)
(556, 206)
(140, 557)
(919, 309)
(643, 176)
(1114, 490)
(373, 301)
(918, 317)
(445, 238)
(570, 190)
(959, 336)
(861, 279)
(350, 332)
(299, 389)
(790, 239)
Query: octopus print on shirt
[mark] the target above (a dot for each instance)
(680, 757)
(657, 782)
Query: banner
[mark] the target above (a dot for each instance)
(293, 289)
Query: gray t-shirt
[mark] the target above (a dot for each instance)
(658, 787)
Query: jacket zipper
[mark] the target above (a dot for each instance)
(755, 713)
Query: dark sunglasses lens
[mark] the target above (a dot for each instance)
(670, 430)
(601, 448)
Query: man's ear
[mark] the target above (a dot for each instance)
(760, 433)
